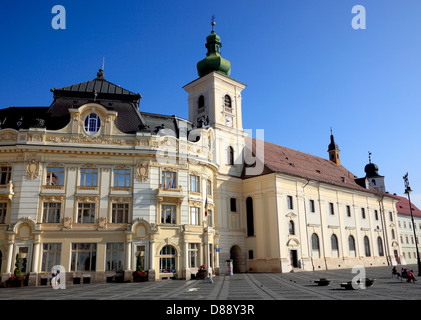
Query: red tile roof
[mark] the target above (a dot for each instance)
(403, 207)
(295, 163)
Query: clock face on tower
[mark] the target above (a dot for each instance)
(228, 121)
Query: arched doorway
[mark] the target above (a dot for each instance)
(235, 255)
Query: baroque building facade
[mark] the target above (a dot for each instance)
(92, 182)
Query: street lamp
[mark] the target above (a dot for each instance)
(407, 191)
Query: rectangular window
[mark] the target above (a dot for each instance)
(233, 205)
(120, 213)
(55, 176)
(83, 257)
(209, 188)
(115, 256)
(5, 175)
(52, 211)
(331, 208)
(3, 210)
(251, 256)
(312, 208)
(168, 180)
(51, 256)
(376, 215)
(209, 218)
(194, 183)
(348, 211)
(86, 213)
(195, 216)
(289, 202)
(363, 213)
(121, 177)
(194, 255)
(168, 214)
(390, 216)
(88, 177)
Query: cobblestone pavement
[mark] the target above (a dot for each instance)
(240, 287)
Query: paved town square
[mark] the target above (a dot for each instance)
(239, 287)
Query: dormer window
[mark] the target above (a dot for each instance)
(227, 103)
(92, 124)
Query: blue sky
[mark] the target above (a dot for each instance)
(305, 67)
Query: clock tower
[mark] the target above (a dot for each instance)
(215, 100)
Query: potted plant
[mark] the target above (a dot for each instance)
(17, 280)
(139, 275)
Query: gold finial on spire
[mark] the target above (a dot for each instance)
(213, 21)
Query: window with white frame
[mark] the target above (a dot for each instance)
(5, 175)
(115, 256)
(167, 260)
(120, 213)
(168, 180)
(51, 256)
(312, 208)
(92, 123)
(348, 211)
(51, 212)
(55, 176)
(168, 213)
(3, 211)
(195, 216)
(208, 188)
(194, 255)
(194, 183)
(209, 218)
(86, 213)
(88, 177)
(290, 203)
(121, 177)
(83, 257)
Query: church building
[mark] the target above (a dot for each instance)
(95, 185)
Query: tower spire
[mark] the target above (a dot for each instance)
(213, 61)
(333, 149)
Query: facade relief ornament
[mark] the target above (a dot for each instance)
(32, 169)
(67, 222)
(102, 222)
(142, 171)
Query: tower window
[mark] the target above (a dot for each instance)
(230, 156)
(227, 103)
(201, 102)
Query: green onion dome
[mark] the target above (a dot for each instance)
(213, 60)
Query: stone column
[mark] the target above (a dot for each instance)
(128, 269)
(151, 271)
(33, 276)
(186, 270)
(6, 275)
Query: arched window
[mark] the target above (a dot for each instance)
(380, 246)
(291, 227)
(92, 123)
(315, 245)
(201, 102)
(367, 247)
(351, 244)
(167, 260)
(230, 155)
(334, 245)
(227, 103)
(250, 217)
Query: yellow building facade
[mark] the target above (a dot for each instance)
(91, 184)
